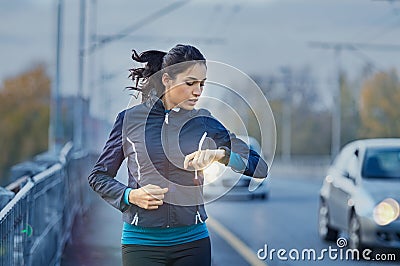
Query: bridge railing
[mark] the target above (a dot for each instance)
(37, 222)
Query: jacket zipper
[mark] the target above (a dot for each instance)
(167, 173)
(166, 118)
(198, 216)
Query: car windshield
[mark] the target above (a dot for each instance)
(381, 163)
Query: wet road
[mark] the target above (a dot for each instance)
(287, 220)
(238, 228)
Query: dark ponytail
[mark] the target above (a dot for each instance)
(140, 76)
(157, 60)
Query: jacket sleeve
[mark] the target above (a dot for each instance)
(101, 179)
(255, 165)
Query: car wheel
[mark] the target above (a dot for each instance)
(354, 232)
(326, 232)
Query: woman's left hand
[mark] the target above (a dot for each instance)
(202, 159)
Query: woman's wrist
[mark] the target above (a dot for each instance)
(132, 196)
(220, 154)
(126, 195)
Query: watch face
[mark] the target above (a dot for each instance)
(225, 159)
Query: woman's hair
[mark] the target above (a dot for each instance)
(158, 60)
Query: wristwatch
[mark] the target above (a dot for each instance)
(225, 160)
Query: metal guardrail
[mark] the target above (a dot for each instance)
(37, 222)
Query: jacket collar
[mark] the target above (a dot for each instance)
(157, 107)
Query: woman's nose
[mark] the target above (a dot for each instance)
(197, 90)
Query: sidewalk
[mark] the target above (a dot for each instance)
(96, 237)
(96, 240)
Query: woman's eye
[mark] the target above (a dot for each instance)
(201, 84)
(189, 83)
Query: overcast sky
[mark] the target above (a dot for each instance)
(257, 37)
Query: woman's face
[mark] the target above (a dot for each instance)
(184, 91)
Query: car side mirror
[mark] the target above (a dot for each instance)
(352, 178)
(345, 174)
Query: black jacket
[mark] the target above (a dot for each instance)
(155, 143)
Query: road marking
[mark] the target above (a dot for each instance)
(238, 245)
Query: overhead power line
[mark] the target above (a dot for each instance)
(355, 46)
(389, 1)
(153, 38)
(139, 24)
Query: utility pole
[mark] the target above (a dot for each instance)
(78, 111)
(287, 115)
(337, 110)
(92, 39)
(56, 127)
(337, 47)
(337, 95)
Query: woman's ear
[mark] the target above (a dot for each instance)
(165, 79)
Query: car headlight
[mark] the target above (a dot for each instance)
(386, 211)
(212, 172)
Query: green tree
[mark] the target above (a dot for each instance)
(24, 117)
(311, 131)
(380, 101)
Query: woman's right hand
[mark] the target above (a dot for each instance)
(148, 197)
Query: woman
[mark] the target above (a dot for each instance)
(167, 143)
